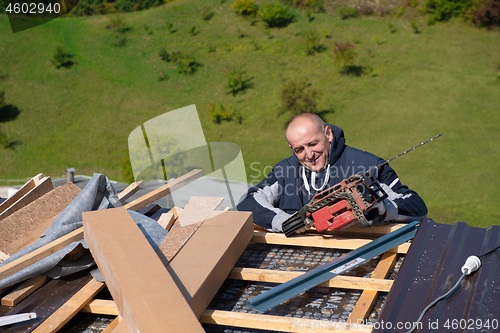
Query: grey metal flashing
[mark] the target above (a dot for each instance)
(289, 289)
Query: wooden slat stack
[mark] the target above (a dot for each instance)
(196, 255)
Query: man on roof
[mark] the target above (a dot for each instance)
(320, 160)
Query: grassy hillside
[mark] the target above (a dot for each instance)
(414, 86)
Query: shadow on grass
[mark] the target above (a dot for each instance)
(354, 70)
(246, 84)
(8, 112)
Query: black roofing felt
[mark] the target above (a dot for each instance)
(431, 267)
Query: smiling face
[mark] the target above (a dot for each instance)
(310, 138)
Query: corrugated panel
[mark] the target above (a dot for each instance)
(431, 267)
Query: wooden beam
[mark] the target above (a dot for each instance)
(130, 191)
(62, 315)
(166, 220)
(40, 253)
(28, 186)
(112, 326)
(278, 323)
(101, 306)
(147, 296)
(248, 320)
(24, 290)
(41, 187)
(368, 297)
(3, 256)
(164, 190)
(335, 242)
(361, 230)
(340, 281)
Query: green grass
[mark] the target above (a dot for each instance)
(445, 79)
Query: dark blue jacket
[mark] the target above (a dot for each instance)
(284, 191)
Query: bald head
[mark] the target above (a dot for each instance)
(309, 138)
(304, 122)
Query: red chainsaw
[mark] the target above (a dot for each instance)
(341, 205)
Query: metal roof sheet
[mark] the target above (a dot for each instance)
(431, 267)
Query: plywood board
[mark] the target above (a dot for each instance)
(147, 296)
(198, 209)
(37, 213)
(40, 253)
(41, 187)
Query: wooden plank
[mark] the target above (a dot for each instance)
(28, 186)
(32, 216)
(198, 209)
(368, 297)
(279, 323)
(336, 242)
(166, 220)
(62, 315)
(24, 290)
(164, 190)
(193, 215)
(361, 230)
(41, 188)
(254, 321)
(40, 253)
(112, 326)
(77, 252)
(3, 257)
(340, 281)
(147, 296)
(101, 306)
(130, 191)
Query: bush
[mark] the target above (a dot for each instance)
(344, 55)
(276, 15)
(443, 10)
(185, 63)
(348, 12)
(312, 42)
(237, 81)
(485, 13)
(193, 31)
(298, 97)
(61, 58)
(415, 27)
(220, 113)
(245, 7)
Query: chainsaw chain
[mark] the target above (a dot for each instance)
(360, 216)
(298, 220)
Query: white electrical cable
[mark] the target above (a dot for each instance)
(415, 325)
(471, 265)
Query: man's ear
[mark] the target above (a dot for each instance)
(328, 133)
